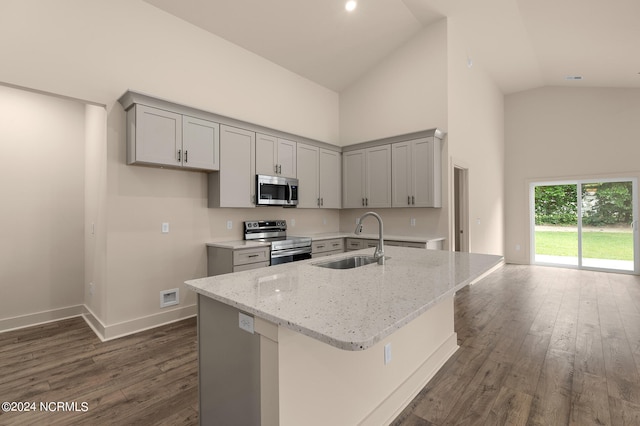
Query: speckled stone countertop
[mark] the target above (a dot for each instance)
(350, 309)
(239, 244)
(415, 239)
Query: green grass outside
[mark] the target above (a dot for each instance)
(595, 245)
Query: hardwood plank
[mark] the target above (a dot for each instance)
(552, 399)
(511, 407)
(589, 402)
(624, 412)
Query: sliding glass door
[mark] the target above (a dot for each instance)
(585, 224)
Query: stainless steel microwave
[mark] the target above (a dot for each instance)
(276, 191)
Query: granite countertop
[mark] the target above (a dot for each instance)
(413, 239)
(350, 309)
(239, 244)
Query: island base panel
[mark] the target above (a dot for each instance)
(229, 367)
(320, 384)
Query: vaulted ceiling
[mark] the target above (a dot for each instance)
(522, 44)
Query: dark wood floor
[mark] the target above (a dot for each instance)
(539, 346)
(149, 378)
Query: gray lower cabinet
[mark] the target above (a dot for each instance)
(225, 260)
(362, 243)
(327, 247)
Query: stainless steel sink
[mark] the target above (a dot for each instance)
(348, 262)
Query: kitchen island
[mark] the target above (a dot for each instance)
(302, 344)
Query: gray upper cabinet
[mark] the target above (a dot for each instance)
(366, 178)
(200, 143)
(165, 138)
(416, 178)
(308, 163)
(330, 179)
(234, 185)
(275, 156)
(319, 177)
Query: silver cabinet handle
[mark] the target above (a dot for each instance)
(275, 168)
(363, 201)
(179, 156)
(186, 156)
(413, 200)
(366, 201)
(408, 199)
(322, 201)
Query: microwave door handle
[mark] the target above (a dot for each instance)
(289, 200)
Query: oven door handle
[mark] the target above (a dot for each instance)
(284, 253)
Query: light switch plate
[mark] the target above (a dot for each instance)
(165, 227)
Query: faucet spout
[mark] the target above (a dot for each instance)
(378, 255)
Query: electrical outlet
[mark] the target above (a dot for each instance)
(165, 227)
(387, 353)
(229, 224)
(292, 222)
(91, 289)
(413, 221)
(324, 220)
(245, 322)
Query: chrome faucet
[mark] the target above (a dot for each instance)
(379, 253)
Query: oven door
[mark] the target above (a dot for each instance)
(286, 256)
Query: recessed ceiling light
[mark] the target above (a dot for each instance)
(351, 5)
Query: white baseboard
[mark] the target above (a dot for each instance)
(400, 398)
(37, 318)
(136, 325)
(104, 332)
(490, 271)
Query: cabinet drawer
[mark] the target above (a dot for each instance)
(243, 257)
(355, 244)
(336, 244)
(406, 244)
(248, 266)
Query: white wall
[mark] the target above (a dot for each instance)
(97, 51)
(407, 92)
(41, 214)
(563, 132)
(476, 141)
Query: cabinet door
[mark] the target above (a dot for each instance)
(378, 169)
(401, 174)
(236, 178)
(353, 178)
(200, 143)
(330, 179)
(426, 175)
(307, 164)
(158, 137)
(266, 155)
(286, 160)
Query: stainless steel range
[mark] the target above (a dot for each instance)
(284, 248)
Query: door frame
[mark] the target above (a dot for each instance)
(460, 207)
(579, 183)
